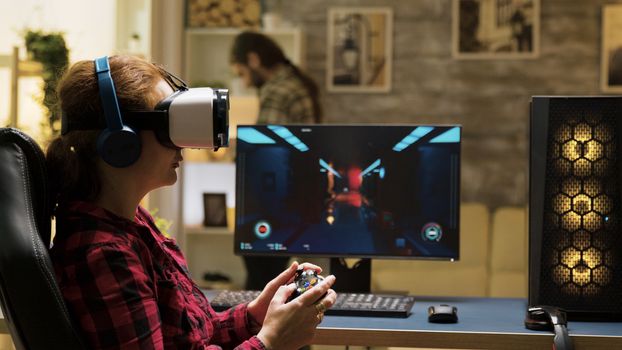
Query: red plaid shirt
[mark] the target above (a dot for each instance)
(128, 287)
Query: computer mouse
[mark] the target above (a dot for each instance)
(442, 314)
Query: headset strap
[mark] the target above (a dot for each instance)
(110, 104)
(141, 120)
(562, 340)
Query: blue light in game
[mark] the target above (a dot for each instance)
(290, 138)
(325, 165)
(411, 138)
(373, 166)
(251, 135)
(450, 136)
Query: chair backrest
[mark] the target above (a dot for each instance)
(32, 304)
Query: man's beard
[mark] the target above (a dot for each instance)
(256, 79)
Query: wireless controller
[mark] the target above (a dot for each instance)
(305, 280)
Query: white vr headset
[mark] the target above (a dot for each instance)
(189, 118)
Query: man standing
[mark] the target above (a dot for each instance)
(286, 96)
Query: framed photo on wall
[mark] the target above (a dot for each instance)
(359, 49)
(490, 29)
(611, 49)
(215, 209)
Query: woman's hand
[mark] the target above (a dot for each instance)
(291, 325)
(258, 307)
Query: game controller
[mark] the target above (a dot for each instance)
(305, 280)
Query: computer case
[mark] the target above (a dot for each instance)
(575, 208)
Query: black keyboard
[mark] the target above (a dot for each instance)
(347, 304)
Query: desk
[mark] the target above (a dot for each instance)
(484, 324)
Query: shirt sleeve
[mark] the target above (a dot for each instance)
(114, 300)
(235, 326)
(252, 343)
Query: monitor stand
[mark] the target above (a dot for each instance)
(355, 279)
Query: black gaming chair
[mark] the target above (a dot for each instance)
(31, 301)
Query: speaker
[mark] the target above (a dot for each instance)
(575, 212)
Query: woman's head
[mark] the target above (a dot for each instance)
(74, 164)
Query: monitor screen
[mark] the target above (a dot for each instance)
(384, 191)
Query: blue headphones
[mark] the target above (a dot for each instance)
(118, 145)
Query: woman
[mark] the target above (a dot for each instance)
(125, 284)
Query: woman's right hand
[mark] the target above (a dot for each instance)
(291, 325)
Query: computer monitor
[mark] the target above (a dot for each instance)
(369, 191)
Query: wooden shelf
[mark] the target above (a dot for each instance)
(202, 230)
(235, 31)
(30, 69)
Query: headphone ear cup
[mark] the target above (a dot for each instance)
(119, 148)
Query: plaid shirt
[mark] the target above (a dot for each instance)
(285, 100)
(127, 286)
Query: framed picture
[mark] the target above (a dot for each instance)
(485, 29)
(359, 49)
(611, 49)
(215, 209)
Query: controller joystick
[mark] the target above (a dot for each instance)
(305, 280)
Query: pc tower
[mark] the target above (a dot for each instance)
(575, 207)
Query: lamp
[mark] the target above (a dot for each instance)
(350, 54)
(576, 205)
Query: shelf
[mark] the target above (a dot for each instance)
(30, 69)
(236, 31)
(210, 250)
(208, 231)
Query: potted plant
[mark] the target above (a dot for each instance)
(50, 50)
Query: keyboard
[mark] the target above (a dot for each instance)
(347, 304)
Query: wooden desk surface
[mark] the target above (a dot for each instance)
(484, 323)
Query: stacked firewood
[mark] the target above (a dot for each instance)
(224, 13)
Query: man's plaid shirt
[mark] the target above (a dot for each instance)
(285, 100)
(127, 286)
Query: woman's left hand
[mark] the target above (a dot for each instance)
(259, 307)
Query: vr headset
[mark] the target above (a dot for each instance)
(189, 118)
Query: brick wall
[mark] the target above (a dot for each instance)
(490, 98)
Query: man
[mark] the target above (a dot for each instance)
(286, 96)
